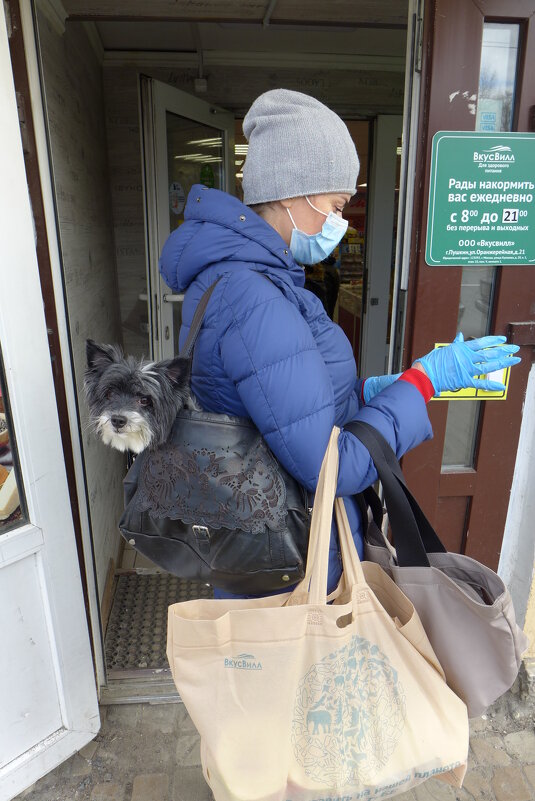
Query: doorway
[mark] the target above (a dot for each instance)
(187, 142)
(134, 100)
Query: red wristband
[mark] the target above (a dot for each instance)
(420, 381)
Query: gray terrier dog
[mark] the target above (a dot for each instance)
(133, 403)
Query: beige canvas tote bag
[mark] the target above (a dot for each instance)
(297, 699)
(465, 607)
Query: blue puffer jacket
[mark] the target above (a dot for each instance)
(268, 351)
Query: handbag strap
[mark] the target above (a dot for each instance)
(196, 323)
(430, 538)
(372, 500)
(407, 538)
(388, 453)
(198, 318)
(373, 529)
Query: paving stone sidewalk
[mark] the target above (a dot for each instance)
(150, 752)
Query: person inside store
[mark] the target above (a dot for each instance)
(323, 280)
(267, 349)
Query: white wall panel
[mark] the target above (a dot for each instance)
(75, 110)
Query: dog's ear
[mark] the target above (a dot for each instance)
(99, 356)
(178, 370)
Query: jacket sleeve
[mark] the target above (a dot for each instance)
(270, 354)
(353, 403)
(359, 390)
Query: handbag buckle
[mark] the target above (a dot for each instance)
(202, 535)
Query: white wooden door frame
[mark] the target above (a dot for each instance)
(47, 191)
(157, 99)
(43, 550)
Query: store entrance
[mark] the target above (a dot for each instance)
(188, 141)
(153, 104)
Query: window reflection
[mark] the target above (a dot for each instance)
(499, 55)
(11, 513)
(194, 156)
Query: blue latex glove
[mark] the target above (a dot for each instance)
(376, 384)
(454, 366)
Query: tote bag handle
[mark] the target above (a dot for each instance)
(352, 568)
(414, 537)
(313, 587)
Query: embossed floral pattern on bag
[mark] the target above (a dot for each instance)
(214, 487)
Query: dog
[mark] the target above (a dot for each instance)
(133, 402)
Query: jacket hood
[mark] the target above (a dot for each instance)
(219, 229)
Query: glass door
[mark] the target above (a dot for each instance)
(187, 142)
(464, 474)
(497, 82)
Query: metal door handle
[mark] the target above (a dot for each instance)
(521, 333)
(173, 298)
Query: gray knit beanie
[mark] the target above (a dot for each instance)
(297, 146)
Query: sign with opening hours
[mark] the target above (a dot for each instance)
(481, 199)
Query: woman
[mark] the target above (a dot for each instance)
(267, 350)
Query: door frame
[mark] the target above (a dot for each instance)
(409, 149)
(47, 544)
(387, 129)
(156, 98)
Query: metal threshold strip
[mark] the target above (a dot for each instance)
(136, 636)
(139, 687)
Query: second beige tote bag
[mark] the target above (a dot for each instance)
(297, 699)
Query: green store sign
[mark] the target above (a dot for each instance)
(481, 199)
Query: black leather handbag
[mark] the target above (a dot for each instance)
(214, 504)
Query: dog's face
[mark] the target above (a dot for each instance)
(132, 404)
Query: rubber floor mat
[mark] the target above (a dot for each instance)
(137, 628)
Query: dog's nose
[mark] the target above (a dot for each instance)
(118, 421)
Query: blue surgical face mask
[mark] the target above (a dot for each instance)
(312, 248)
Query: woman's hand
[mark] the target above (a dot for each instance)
(455, 366)
(376, 384)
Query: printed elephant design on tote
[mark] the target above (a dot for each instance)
(349, 715)
(320, 718)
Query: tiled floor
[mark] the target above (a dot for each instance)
(147, 752)
(150, 752)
